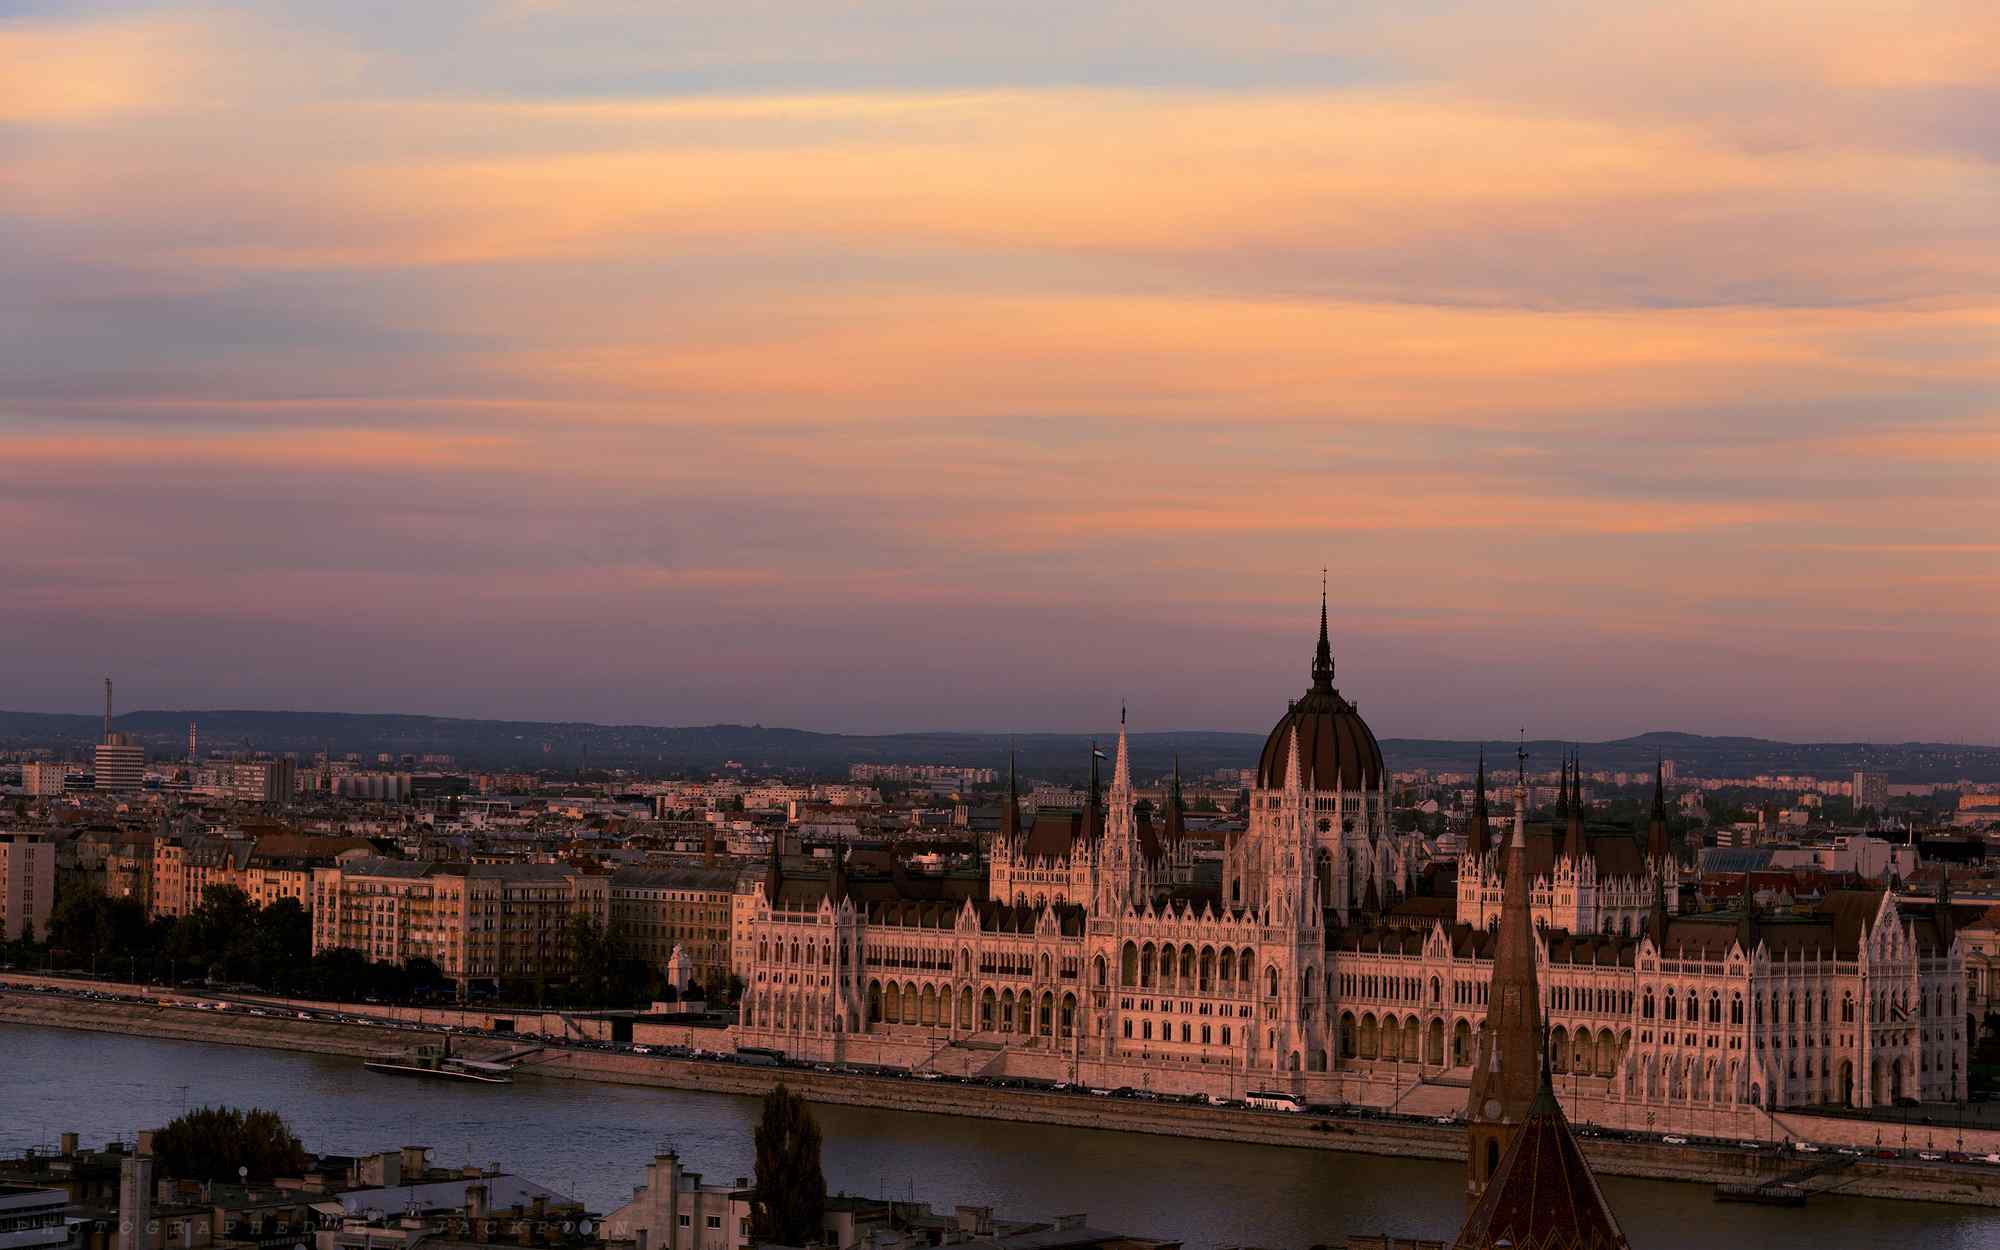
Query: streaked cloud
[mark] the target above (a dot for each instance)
(985, 362)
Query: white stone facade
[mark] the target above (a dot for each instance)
(1104, 964)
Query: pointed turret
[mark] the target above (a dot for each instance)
(1507, 1061)
(1121, 772)
(1573, 843)
(1746, 926)
(1174, 828)
(1656, 924)
(774, 872)
(836, 887)
(1010, 815)
(1323, 657)
(1562, 793)
(1478, 837)
(1293, 784)
(1656, 827)
(1093, 803)
(1947, 924)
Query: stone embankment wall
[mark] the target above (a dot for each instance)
(1973, 1185)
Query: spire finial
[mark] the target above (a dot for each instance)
(1323, 658)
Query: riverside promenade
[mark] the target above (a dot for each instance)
(364, 1034)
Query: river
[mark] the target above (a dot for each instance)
(594, 1141)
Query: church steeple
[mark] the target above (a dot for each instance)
(1507, 1063)
(1010, 815)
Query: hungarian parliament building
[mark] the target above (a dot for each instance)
(1090, 949)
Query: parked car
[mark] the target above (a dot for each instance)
(1674, 1139)
(1805, 1147)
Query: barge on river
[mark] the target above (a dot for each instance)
(438, 1063)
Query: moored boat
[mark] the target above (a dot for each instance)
(438, 1062)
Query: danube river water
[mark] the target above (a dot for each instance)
(594, 1141)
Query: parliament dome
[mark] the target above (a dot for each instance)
(1337, 750)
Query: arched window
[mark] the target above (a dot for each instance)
(1646, 1005)
(1098, 968)
(1271, 982)
(1847, 1007)
(1736, 1008)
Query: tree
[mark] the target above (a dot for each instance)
(210, 1144)
(790, 1195)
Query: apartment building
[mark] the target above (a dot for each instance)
(128, 867)
(266, 867)
(272, 782)
(477, 922)
(41, 779)
(656, 909)
(27, 883)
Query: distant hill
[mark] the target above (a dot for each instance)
(568, 745)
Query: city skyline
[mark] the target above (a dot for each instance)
(888, 369)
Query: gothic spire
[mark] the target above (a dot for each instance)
(1562, 791)
(1573, 842)
(1176, 825)
(1093, 807)
(1478, 839)
(1323, 658)
(1506, 1069)
(1657, 924)
(1121, 772)
(774, 872)
(1010, 815)
(1656, 829)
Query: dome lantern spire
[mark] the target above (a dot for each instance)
(1323, 658)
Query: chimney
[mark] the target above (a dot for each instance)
(146, 1143)
(475, 1202)
(416, 1162)
(69, 1141)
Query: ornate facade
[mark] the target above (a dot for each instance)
(1085, 949)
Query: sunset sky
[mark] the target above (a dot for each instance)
(931, 365)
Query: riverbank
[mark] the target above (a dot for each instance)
(1972, 1186)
